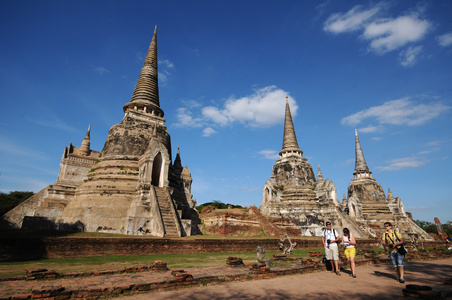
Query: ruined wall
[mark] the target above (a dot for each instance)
(58, 247)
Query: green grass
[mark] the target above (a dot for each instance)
(118, 262)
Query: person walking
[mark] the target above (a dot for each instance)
(392, 241)
(349, 242)
(330, 237)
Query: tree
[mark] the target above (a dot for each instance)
(11, 200)
(430, 227)
(217, 204)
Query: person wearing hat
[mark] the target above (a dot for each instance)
(330, 237)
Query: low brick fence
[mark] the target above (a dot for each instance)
(56, 247)
(183, 279)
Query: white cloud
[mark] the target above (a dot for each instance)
(390, 34)
(354, 19)
(445, 39)
(186, 119)
(263, 108)
(403, 163)
(208, 132)
(383, 34)
(101, 70)
(166, 63)
(215, 115)
(368, 129)
(398, 112)
(410, 56)
(269, 154)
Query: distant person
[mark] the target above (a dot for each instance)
(349, 242)
(330, 237)
(393, 241)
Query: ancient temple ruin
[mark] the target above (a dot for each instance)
(368, 206)
(131, 187)
(293, 191)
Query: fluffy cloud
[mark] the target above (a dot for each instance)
(445, 40)
(265, 107)
(403, 163)
(185, 118)
(383, 34)
(208, 131)
(269, 154)
(354, 19)
(409, 57)
(398, 112)
(387, 35)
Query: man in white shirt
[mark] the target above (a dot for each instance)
(330, 237)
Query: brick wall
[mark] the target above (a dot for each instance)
(53, 247)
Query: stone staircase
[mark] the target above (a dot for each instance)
(377, 211)
(169, 219)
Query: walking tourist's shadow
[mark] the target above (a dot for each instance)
(383, 274)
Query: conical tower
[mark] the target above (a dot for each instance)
(290, 143)
(85, 146)
(361, 169)
(320, 175)
(146, 94)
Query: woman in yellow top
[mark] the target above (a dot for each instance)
(393, 240)
(349, 242)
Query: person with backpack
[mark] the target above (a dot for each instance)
(393, 241)
(349, 242)
(330, 237)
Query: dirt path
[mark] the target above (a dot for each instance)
(372, 282)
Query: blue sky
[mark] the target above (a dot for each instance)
(225, 68)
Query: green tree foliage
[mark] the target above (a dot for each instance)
(430, 227)
(11, 200)
(217, 204)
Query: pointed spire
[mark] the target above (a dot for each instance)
(85, 146)
(390, 195)
(319, 175)
(343, 197)
(146, 94)
(360, 162)
(290, 144)
(177, 161)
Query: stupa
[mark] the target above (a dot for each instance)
(131, 187)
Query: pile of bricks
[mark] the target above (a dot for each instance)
(233, 261)
(310, 263)
(283, 257)
(44, 273)
(315, 254)
(181, 275)
(40, 273)
(259, 268)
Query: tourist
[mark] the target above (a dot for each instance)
(349, 242)
(392, 241)
(330, 237)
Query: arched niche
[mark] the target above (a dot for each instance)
(157, 170)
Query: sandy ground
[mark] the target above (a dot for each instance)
(372, 282)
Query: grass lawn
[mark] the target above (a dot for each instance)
(118, 262)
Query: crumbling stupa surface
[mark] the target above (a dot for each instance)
(369, 207)
(131, 187)
(293, 191)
